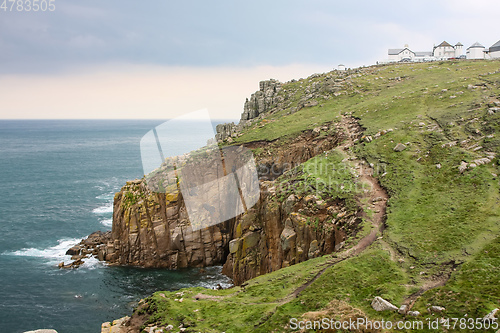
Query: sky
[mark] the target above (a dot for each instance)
(159, 59)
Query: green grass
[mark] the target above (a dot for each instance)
(369, 275)
(435, 216)
(244, 308)
(472, 291)
(327, 176)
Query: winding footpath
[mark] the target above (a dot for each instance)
(373, 194)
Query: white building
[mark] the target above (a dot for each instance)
(446, 51)
(442, 51)
(476, 51)
(494, 51)
(400, 54)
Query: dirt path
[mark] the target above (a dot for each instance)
(374, 196)
(428, 285)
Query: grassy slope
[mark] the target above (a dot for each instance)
(437, 218)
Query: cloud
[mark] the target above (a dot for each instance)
(86, 41)
(133, 92)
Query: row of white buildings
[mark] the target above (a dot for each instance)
(445, 51)
(478, 51)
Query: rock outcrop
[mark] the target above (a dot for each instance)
(225, 131)
(92, 246)
(263, 100)
(152, 229)
(268, 238)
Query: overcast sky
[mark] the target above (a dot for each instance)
(159, 59)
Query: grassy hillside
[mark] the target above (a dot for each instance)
(443, 221)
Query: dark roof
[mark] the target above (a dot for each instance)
(495, 47)
(445, 43)
(476, 45)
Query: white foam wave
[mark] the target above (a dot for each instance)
(57, 253)
(53, 252)
(91, 263)
(106, 196)
(107, 222)
(108, 208)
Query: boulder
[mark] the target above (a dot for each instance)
(74, 251)
(402, 309)
(462, 167)
(491, 316)
(380, 304)
(321, 204)
(288, 237)
(310, 198)
(42, 331)
(311, 103)
(399, 147)
(250, 240)
(493, 110)
(234, 245)
(313, 249)
(290, 203)
(436, 309)
(414, 313)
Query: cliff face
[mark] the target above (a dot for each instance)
(273, 235)
(153, 230)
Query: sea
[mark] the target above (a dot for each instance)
(58, 179)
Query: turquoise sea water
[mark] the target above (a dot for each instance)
(58, 179)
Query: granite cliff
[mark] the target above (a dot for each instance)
(152, 229)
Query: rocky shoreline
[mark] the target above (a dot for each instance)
(152, 229)
(91, 246)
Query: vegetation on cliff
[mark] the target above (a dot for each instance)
(431, 135)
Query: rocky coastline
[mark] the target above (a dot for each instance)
(153, 230)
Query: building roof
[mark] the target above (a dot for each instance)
(445, 43)
(398, 51)
(395, 51)
(459, 44)
(476, 45)
(495, 47)
(423, 54)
